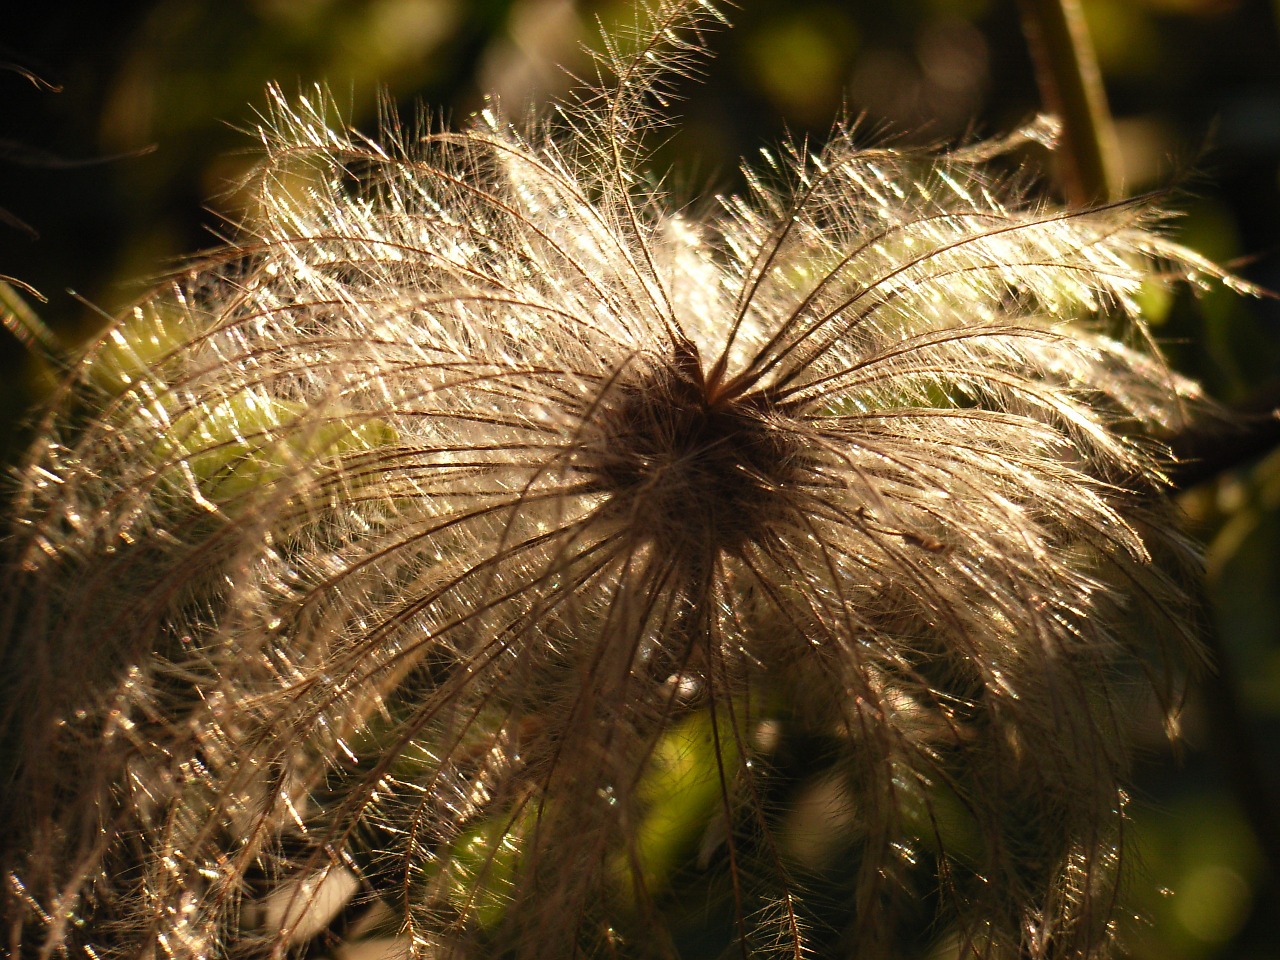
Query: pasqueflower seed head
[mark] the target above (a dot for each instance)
(485, 553)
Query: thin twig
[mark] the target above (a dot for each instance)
(1071, 87)
(1209, 450)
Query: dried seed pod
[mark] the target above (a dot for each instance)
(480, 552)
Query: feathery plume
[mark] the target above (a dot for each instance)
(483, 553)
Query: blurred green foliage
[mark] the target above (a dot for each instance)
(107, 184)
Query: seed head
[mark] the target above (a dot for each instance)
(481, 553)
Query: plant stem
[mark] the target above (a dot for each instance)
(1071, 87)
(1204, 452)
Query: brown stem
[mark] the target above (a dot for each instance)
(1209, 450)
(1071, 88)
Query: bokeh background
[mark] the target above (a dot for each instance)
(108, 183)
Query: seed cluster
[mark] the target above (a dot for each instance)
(487, 558)
(690, 467)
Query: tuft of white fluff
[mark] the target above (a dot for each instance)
(483, 552)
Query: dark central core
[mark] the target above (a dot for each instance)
(685, 469)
